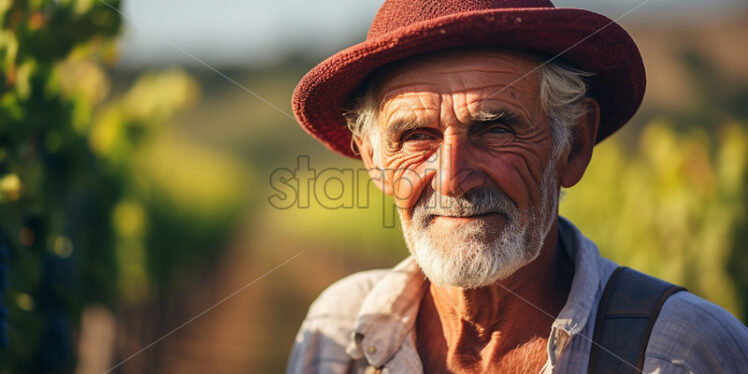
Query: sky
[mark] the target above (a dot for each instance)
(246, 32)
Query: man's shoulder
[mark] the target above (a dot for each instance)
(698, 336)
(343, 299)
(321, 342)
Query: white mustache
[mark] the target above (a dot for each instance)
(478, 202)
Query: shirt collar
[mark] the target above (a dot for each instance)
(586, 281)
(584, 292)
(389, 311)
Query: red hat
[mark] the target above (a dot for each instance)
(404, 28)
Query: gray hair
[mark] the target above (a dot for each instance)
(562, 90)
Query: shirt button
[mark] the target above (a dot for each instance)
(372, 350)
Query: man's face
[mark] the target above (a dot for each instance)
(466, 149)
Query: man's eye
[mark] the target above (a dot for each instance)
(416, 136)
(497, 130)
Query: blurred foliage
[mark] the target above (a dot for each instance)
(675, 203)
(344, 209)
(670, 207)
(99, 202)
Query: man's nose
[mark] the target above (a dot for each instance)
(456, 168)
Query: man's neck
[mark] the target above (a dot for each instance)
(481, 326)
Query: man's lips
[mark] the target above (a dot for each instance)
(431, 217)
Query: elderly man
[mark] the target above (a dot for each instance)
(473, 115)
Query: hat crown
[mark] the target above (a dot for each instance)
(395, 14)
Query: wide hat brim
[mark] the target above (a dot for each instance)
(584, 39)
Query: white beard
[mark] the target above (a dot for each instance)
(469, 257)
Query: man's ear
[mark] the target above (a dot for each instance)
(377, 174)
(574, 162)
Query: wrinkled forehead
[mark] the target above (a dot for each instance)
(483, 79)
(435, 70)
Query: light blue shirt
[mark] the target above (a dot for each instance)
(365, 323)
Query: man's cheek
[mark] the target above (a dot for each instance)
(407, 187)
